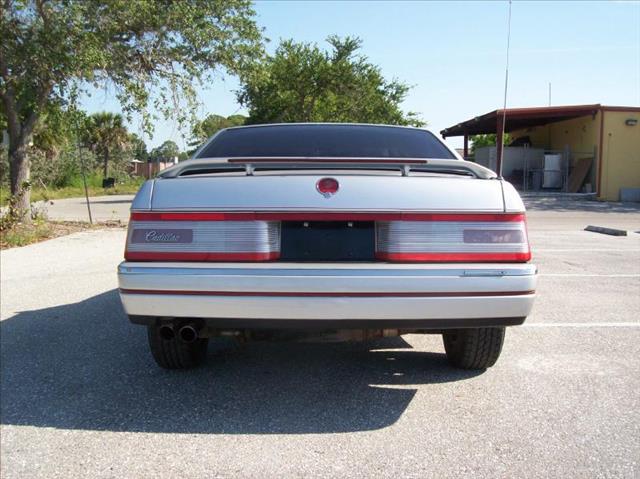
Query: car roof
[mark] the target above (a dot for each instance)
(311, 124)
(304, 124)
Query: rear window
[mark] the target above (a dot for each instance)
(326, 141)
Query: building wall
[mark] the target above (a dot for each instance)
(620, 162)
(620, 154)
(581, 134)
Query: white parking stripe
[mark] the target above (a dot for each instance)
(582, 325)
(587, 275)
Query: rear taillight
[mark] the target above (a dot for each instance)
(453, 238)
(152, 239)
(251, 236)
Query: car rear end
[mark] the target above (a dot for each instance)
(227, 244)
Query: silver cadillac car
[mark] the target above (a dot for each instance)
(380, 230)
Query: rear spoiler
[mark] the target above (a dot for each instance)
(405, 165)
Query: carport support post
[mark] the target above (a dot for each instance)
(466, 146)
(499, 144)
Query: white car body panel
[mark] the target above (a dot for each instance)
(512, 201)
(298, 193)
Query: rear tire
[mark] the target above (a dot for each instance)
(174, 353)
(476, 348)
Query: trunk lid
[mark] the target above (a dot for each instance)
(298, 192)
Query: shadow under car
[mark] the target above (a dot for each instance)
(84, 366)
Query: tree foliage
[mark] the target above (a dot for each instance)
(60, 127)
(138, 148)
(478, 141)
(53, 149)
(303, 83)
(107, 136)
(152, 53)
(165, 152)
(204, 129)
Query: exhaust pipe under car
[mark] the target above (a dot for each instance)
(166, 332)
(188, 333)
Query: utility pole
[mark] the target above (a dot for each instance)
(82, 171)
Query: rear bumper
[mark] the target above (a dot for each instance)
(335, 294)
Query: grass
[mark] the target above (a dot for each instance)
(77, 190)
(22, 235)
(15, 233)
(40, 229)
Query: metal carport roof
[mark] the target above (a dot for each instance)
(518, 118)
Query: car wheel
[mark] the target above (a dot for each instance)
(477, 348)
(170, 352)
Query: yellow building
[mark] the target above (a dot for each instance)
(600, 144)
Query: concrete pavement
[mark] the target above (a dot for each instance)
(103, 208)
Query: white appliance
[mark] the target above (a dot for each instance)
(514, 158)
(552, 176)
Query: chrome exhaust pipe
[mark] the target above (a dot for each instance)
(166, 332)
(188, 333)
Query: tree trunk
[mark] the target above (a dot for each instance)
(20, 133)
(106, 162)
(19, 173)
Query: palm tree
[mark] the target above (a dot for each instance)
(106, 134)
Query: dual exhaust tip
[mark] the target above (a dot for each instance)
(187, 333)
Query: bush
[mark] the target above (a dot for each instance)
(65, 169)
(13, 216)
(57, 173)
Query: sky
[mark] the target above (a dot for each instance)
(454, 54)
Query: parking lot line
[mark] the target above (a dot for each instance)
(582, 325)
(589, 275)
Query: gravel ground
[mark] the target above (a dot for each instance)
(81, 396)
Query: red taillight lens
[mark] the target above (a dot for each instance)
(152, 239)
(448, 238)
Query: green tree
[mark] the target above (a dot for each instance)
(138, 148)
(53, 154)
(302, 83)
(478, 141)
(165, 152)
(57, 129)
(152, 53)
(106, 136)
(204, 129)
